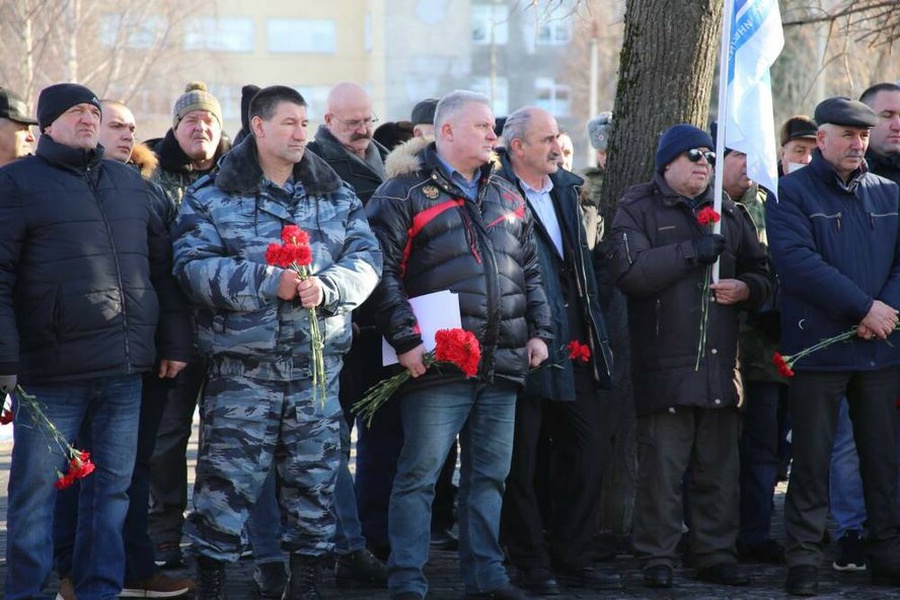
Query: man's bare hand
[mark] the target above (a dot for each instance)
(730, 291)
(412, 360)
(880, 321)
(168, 369)
(310, 292)
(537, 351)
(287, 285)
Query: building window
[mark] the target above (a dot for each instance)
(498, 93)
(231, 34)
(555, 32)
(132, 32)
(229, 97)
(301, 36)
(490, 24)
(553, 97)
(316, 97)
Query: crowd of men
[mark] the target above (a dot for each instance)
(135, 287)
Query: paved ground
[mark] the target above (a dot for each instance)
(445, 583)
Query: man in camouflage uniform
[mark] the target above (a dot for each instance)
(259, 408)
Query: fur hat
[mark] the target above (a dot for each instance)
(598, 130)
(677, 139)
(56, 99)
(195, 97)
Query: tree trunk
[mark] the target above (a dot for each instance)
(666, 71)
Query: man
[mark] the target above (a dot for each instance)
(422, 118)
(598, 135)
(764, 389)
(798, 140)
(686, 391)
(258, 408)
(189, 150)
(84, 284)
(446, 222)
(344, 141)
(142, 576)
(559, 403)
(883, 155)
(16, 138)
(833, 236)
(379, 442)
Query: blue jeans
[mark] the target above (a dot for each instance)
(483, 416)
(848, 506)
(112, 407)
(348, 533)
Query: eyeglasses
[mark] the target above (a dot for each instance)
(357, 123)
(694, 155)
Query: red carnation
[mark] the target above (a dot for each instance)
(459, 347)
(299, 254)
(783, 367)
(275, 255)
(292, 234)
(6, 417)
(578, 351)
(708, 216)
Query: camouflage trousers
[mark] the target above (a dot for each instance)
(249, 426)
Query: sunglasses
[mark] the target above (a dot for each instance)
(694, 155)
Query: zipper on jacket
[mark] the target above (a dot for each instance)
(112, 243)
(627, 248)
(657, 311)
(835, 216)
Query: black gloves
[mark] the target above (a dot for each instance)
(7, 385)
(709, 247)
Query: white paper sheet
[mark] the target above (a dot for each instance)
(438, 310)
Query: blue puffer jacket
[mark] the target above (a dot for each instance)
(836, 248)
(227, 221)
(85, 265)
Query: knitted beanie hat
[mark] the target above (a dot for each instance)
(195, 97)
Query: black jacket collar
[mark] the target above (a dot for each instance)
(172, 157)
(67, 156)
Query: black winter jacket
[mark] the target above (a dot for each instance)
(360, 175)
(85, 263)
(655, 265)
(555, 380)
(434, 239)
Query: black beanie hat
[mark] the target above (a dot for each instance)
(247, 93)
(58, 98)
(677, 139)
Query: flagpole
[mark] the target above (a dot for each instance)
(721, 117)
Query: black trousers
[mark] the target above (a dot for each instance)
(814, 398)
(580, 444)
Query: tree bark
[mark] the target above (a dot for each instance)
(667, 65)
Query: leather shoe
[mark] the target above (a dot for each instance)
(589, 577)
(724, 574)
(507, 592)
(658, 576)
(539, 581)
(802, 580)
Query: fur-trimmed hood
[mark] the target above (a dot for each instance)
(404, 159)
(239, 171)
(144, 159)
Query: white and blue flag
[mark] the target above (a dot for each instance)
(755, 42)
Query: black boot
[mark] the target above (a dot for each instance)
(210, 579)
(304, 576)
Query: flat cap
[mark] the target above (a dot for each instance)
(423, 112)
(844, 111)
(12, 107)
(796, 128)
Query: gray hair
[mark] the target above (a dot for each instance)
(516, 125)
(452, 103)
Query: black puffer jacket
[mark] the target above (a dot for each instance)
(434, 239)
(655, 265)
(85, 263)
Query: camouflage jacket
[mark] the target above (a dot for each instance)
(175, 172)
(227, 221)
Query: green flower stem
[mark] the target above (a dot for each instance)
(381, 392)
